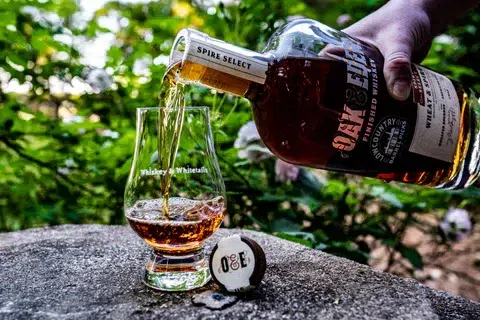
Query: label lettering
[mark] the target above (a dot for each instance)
(224, 262)
(224, 57)
(343, 143)
(438, 115)
(429, 113)
(233, 262)
(243, 263)
(354, 111)
(358, 75)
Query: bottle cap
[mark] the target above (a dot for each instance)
(237, 263)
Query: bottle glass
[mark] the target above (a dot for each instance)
(320, 100)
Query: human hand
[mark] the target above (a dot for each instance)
(401, 31)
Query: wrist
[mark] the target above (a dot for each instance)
(428, 8)
(431, 9)
(440, 12)
(416, 18)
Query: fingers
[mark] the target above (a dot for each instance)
(396, 46)
(397, 38)
(397, 69)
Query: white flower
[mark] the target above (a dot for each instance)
(343, 19)
(161, 59)
(99, 79)
(211, 3)
(107, 144)
(141, 67)
(445, 39)
(70, 163)
(64, 171)
(285, 171)
(456, 225)
(82, 130)
(254, 153)
(252, 147)
(73, 119)
(247, 134)
(111, 134)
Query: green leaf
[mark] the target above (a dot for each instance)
(18, 60)
(390, 242)
(257, 221)
(7, 18)
(320, 235)
(115, 55)
(40, 39)
(309, 182)
(306, 239)
(413, 256)
(335, 188)
(284, 225)
(388, 197)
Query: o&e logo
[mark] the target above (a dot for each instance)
(233, 262)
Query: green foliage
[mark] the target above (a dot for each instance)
(55, 171)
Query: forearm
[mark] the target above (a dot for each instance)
(442, 12)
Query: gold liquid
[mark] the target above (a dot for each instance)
(306, 124)
(188, 225)
(196, 73)
(170, 122)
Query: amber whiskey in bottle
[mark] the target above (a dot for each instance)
(320, 100)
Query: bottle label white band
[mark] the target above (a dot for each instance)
(227, 58)
(438, 115)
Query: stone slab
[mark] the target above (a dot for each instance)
(94, 272)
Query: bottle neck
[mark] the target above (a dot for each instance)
(216, 64)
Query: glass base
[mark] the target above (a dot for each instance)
(177, 273)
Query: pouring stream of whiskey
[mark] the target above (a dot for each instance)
(170, 124)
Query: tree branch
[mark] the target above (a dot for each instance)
(234, 170)
(18, 150)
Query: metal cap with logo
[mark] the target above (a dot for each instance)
(237, 263)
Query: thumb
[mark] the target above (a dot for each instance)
(397, 69)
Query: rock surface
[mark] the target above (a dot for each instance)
(93, 272)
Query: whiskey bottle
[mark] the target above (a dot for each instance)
(320, 100)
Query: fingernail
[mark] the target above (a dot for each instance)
(401, 89)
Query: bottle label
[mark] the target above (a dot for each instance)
(438, 115)
(375, 134)
(227, 58)
(359, 72)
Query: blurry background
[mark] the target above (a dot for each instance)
(73, 72)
